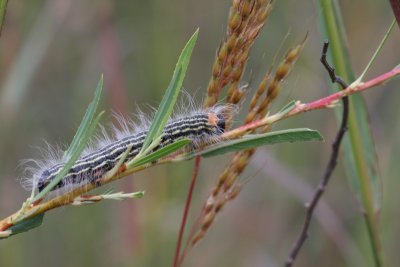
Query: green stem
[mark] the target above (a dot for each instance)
(359, 143)
(3, 6)
(377, 52)
(366, 193)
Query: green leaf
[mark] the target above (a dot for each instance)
(166, 106)
(87, 119)
(3, 5)
(255, 140)
(287, 108)
(79, 142)
(27, 224)
(377, 51)
(359, 151)
(117, 166)
(282, 113)
(162, 152)
(360, 156)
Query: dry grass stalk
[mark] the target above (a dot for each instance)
(227, 187)
(246, 18)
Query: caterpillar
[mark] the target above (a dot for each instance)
(203, 126)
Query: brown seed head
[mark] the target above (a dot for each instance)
(230, 181)
(231, 42)
(220, 204)
(273, 93)
(247, 8)
(207, 220)
(235, 4)
(282, 71)
(223, 53)
(234, 21)
(227, 70)
(216, 69)
(234, 192)
(236, 74)
(293, 54)
(197, 237)
(264, 13)
(209, 205)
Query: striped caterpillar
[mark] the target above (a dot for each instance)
(201, 127)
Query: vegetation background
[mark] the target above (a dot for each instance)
(51, 56)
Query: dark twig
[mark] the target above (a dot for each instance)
(310, 207)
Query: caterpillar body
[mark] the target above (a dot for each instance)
(204, 126)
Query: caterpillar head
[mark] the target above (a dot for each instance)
(218, 122)
(220, 115)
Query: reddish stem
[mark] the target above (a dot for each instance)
(329, 100)
(186, 211)
(322, 102)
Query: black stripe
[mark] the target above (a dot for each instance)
(192, 127)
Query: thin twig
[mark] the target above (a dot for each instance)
(310, 207)
(177, 262)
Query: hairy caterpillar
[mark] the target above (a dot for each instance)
(203, 126)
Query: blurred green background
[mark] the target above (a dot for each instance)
(52, 54)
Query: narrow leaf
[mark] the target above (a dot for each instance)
(74, 157)
(374, 57)
(82, 135)
(287, 108)
(117, 166)
(3, 5)
(166, 106)
(359, 151)
(87, 119)
(360, 157)
(162, 152)
(27, 224)
(255, 140)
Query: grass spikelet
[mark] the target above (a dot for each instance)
(227, 187)
(246, 18)
(262, 87)
(282, 71)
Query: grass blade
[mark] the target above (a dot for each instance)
(270, 138)
(373, 58)
(87, 119)
(26, 225)
(3, 5)
(255, 140)
(166, 106)
(79, 141)
(74, 157)
(359, 151)
(287, 108)
(162, 152)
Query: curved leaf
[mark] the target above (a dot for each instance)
(167, 103)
